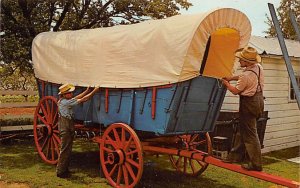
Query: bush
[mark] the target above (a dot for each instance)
(18, 98)
(16, 121)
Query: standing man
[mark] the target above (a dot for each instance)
(249, 87)
(66, 124)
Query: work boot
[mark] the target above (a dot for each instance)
(231, 158)
(66, 174)
(251, 167)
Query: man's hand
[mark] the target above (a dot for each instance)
(225, 82)
(96, 89)
(227, 78)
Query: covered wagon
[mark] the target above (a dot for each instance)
(160, 88)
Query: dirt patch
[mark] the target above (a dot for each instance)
(17, 111)
(13, 185)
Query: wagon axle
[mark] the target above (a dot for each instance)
(116, 157)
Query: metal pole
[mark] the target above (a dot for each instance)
(295, 25)
(285, 53)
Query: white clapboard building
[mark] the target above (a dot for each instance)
(283, 127)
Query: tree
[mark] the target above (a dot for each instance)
(22, 20)
(17, 80)
(284, 19)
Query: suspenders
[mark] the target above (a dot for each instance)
(258, 76)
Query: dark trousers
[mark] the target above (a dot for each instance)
(251, 108)
(67, 131)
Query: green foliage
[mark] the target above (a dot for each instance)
(18, 98)
(14, 78)
(16, 121)
(22, 20)
(283, 12)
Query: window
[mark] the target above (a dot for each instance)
(292, 91)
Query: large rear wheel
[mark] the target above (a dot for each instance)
(197, 143)
(45, 129)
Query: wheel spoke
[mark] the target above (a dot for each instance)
(52, 149)
(44, 111)
(119, 175)
(192, 166)
(201, 142)
(48, 110)
(201, 163)
(130, 170)
(184, 164)
(128, 144)
(55, 119)
(133, 163)
(55, 145)
(44, 144)
(113, 170)
(55, 128)
(194, 137)
(56, 138)
(116, 135)
(125, 174)
(42, 119)
(132, 152)
(47, 149)
(41, 137)
(123, 136)
(111, 142)
(56, 131)
(107, 149)
(178, 162)
(52, 110)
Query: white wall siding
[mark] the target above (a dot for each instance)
(283, 127)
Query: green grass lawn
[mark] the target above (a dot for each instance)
(20, 163)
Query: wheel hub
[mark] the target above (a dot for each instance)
(116, 157)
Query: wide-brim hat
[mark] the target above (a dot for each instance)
(248, 54)
(66, 88)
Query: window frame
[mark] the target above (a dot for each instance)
(292, 95)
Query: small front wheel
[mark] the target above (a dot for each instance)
(121, 156)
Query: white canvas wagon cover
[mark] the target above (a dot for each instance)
(150, 53)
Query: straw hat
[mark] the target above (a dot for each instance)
(248, 54)
(66, 88)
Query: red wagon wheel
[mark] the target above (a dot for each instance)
(188, 166)
(121, 156)
(45, 129)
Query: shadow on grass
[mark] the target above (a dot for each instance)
(281, 155)
(86, 162)
(164, 178)
(154, 174)
(285, 153)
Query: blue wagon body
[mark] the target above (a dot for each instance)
(188, 107)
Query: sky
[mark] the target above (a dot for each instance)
(254, 9)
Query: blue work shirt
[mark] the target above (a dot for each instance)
(65, 107)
